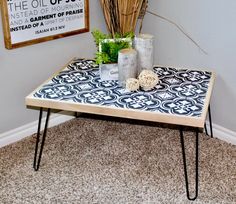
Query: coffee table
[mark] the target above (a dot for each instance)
(182, 97)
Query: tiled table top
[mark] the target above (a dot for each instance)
(181, 97)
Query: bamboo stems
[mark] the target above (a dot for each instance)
(121, 16)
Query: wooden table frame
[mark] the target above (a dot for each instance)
(197, 123)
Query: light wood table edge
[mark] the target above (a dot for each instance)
(117, 112)
(208, 96)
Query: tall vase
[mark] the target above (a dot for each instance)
(144, 45)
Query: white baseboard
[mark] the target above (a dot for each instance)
(31, 128)
(223, 133)
(56, 119)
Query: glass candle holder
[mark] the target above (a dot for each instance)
(143, 43)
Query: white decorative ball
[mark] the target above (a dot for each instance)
(148, 79)
(132, 84)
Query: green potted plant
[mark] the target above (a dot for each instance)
(107, 52)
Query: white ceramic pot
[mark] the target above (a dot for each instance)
(108, 71)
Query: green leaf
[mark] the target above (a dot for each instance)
(98, 36)
(109, 50)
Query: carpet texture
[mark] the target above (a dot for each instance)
(99, 160)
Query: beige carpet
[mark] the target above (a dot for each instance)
(89, 160)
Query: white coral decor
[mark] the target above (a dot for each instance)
(132, 84)
(148, 79)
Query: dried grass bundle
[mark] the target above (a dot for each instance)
(121, 16)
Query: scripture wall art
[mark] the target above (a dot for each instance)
(27, 22)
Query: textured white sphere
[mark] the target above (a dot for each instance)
(148, 79)
(132, 84)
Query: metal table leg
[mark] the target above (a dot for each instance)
(76, 115)
(210, 122)
(37, 158)
(185, 164)
(209, 112)
(205, 127)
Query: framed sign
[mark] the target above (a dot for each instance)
(27, 22)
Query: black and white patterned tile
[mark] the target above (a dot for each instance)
(180, 92)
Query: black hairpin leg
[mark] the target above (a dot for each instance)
(76, 114)
(209, 112)
(37, 158)
(185, 165)
(205, 127)
(210, 122)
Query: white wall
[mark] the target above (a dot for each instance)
(212, 23)
(23, 69)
